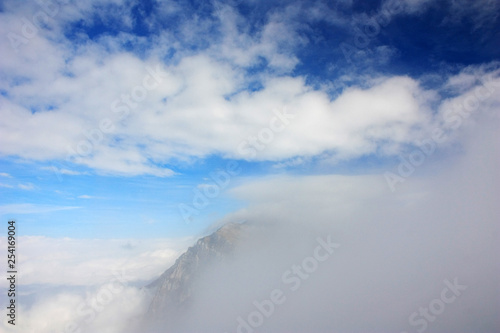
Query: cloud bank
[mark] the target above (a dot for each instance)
(70, 285)
(427, 247)
(95, 105)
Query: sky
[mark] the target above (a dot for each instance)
(130, 128)
(114, 113)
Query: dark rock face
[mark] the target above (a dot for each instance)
(175, 288)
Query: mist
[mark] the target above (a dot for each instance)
(422, 258)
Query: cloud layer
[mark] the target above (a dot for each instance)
(89, 285)
(86, 100)
(93, 261)
(399, 251)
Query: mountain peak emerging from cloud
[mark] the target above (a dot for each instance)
(176, 287)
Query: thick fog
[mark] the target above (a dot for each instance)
(421, 258)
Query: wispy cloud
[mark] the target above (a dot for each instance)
(85, 196)
(63, 171)
(27, 187)
(28, 208)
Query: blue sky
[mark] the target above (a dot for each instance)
(362, 82)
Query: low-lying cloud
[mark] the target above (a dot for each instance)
(400, 254)
(86, 285)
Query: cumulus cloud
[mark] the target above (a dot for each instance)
(116, 112)
(197, 120)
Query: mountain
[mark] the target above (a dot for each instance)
(175, 288)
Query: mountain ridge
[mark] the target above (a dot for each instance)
(174, 289)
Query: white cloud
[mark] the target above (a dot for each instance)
(66, 282)
(481, 13)
(4, 174)
(63, 171)
(61, 279)
(396, 249)
(88, 197)
(197, 119)
(26, 187)
(200, 108)
(66, 312)
(91, 262)
(27, 208)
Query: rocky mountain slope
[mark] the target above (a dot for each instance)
(175, 288)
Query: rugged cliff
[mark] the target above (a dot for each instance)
(175, 288)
